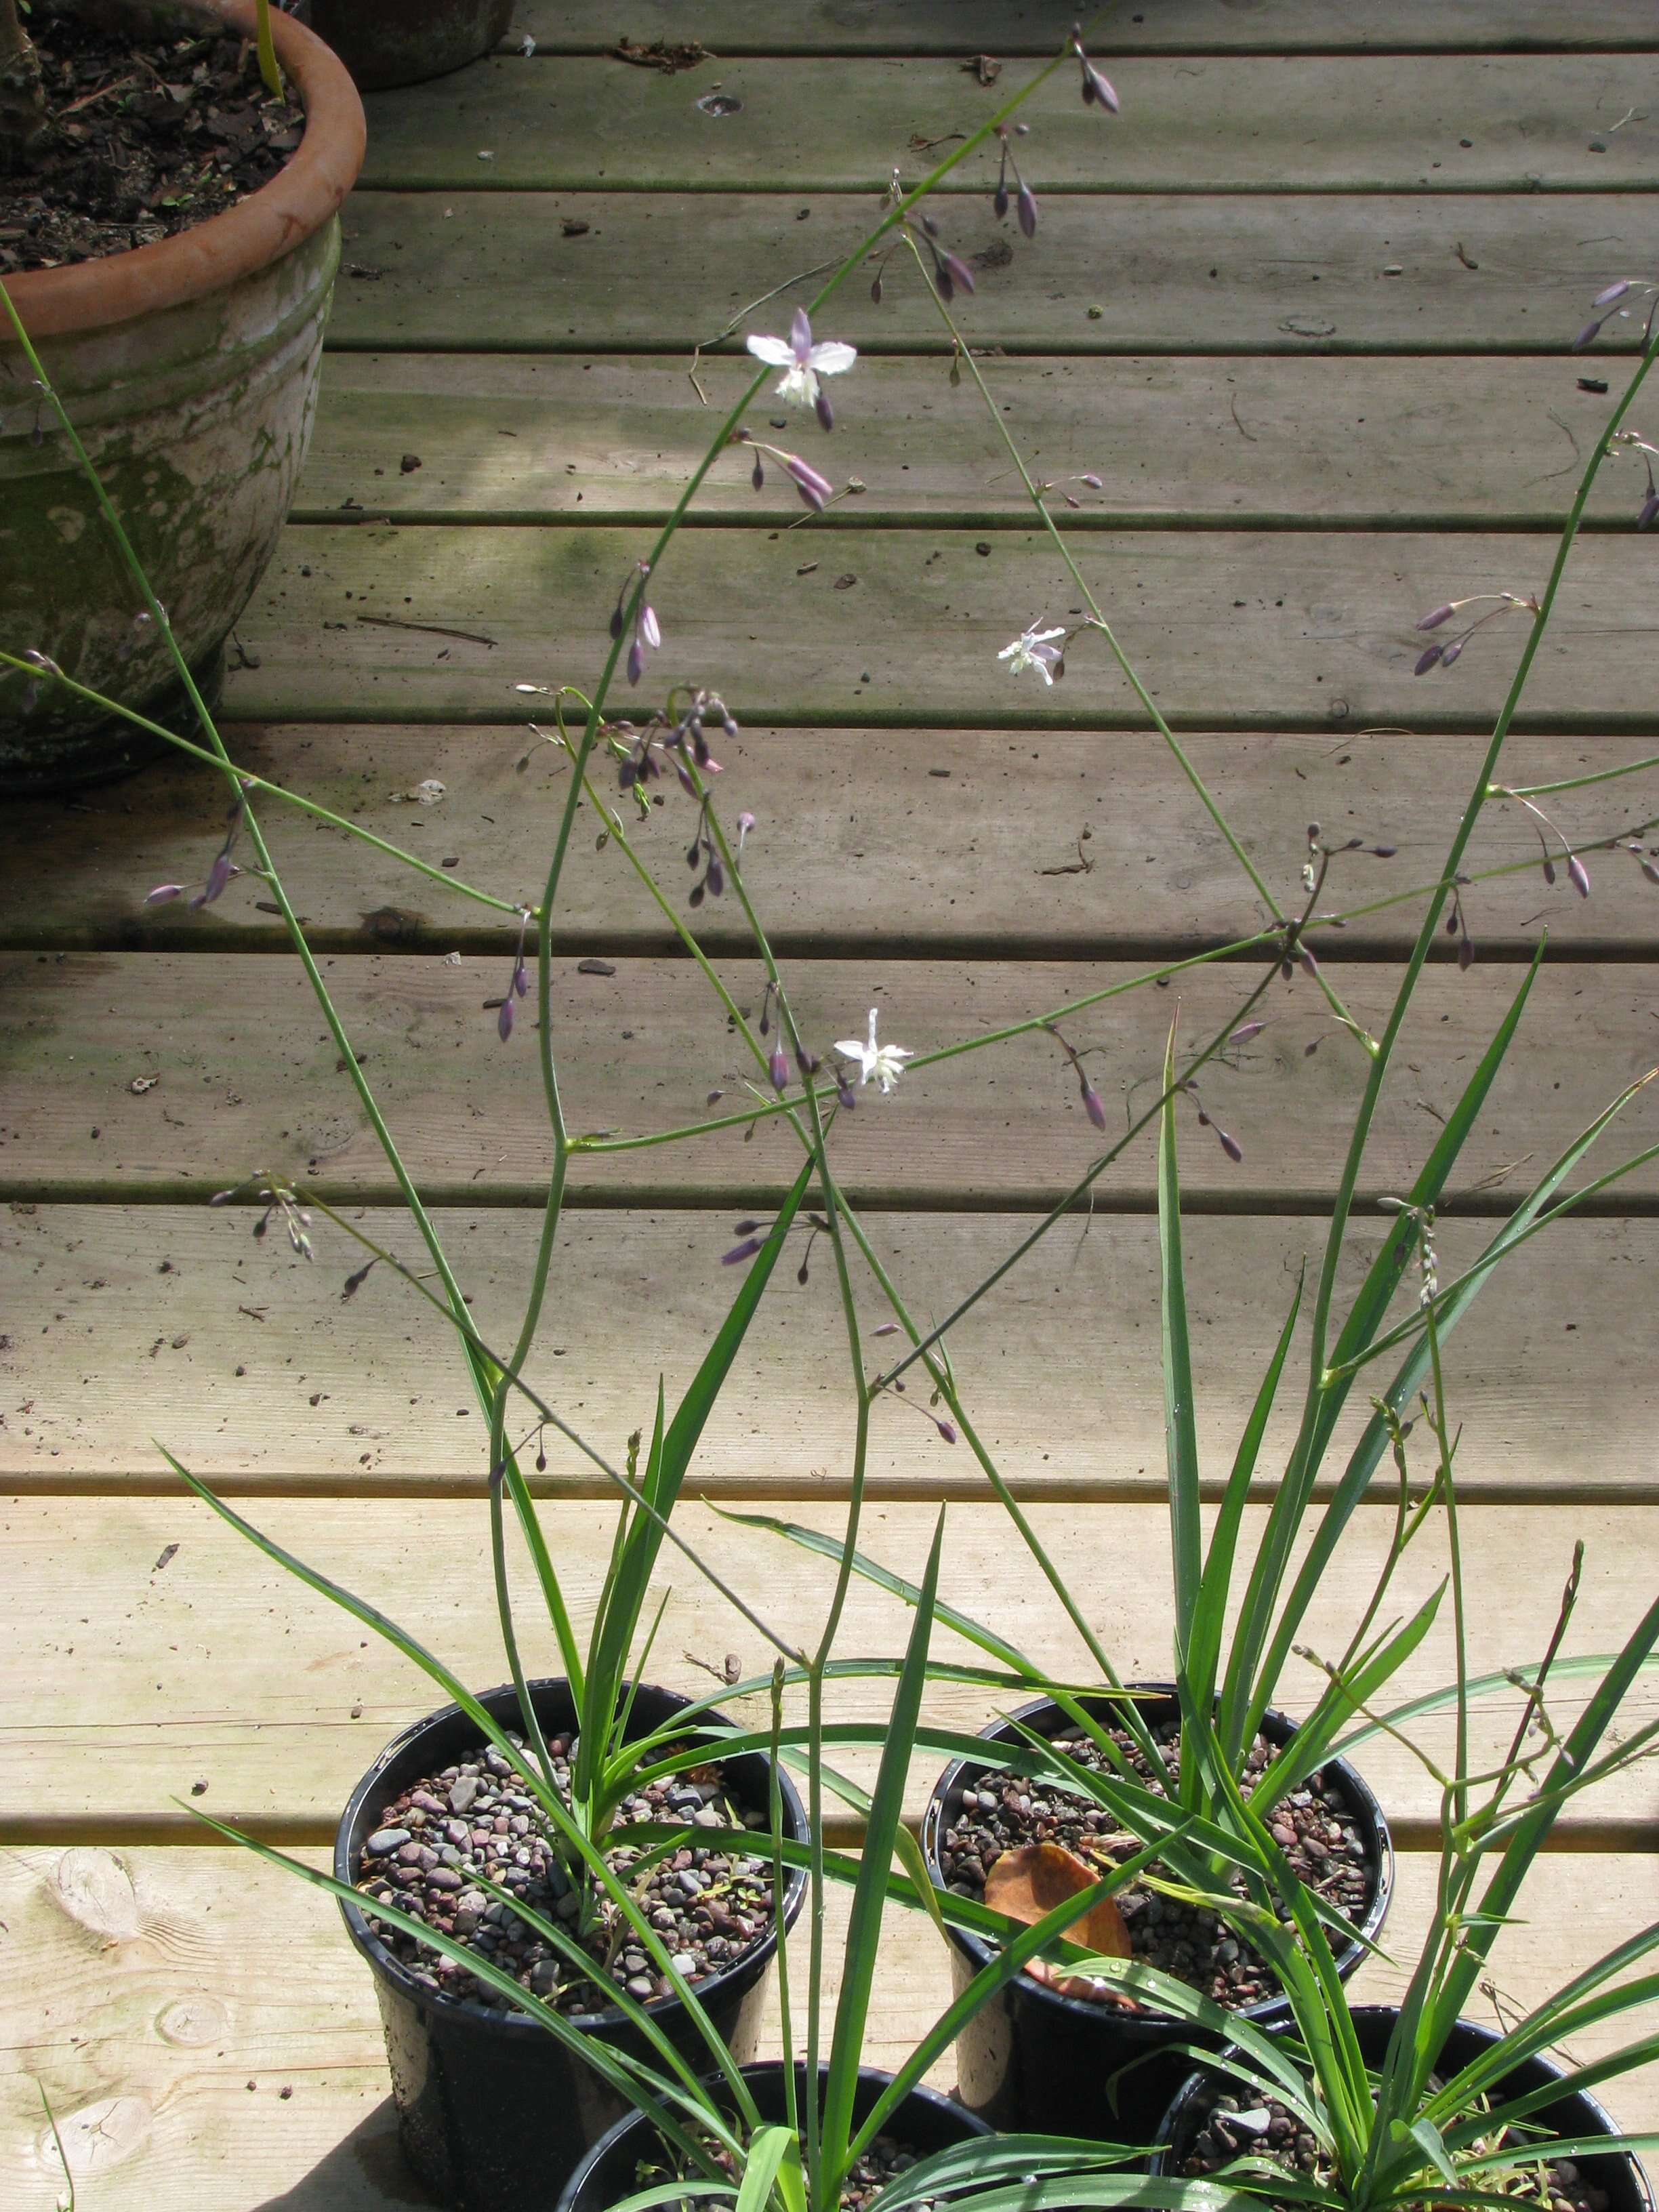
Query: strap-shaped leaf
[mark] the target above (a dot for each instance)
(1179, 1428)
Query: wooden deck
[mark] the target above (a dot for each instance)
(1306, 310)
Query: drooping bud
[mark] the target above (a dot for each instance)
(946, 1429)
(504, 1018)
(816, 490)
(1028, 210)
(1578, 875)
(958, 271)
(1649, 509)
(1606, 298)
(1230, 1146)
(1449, 654)
(1098, 90)
(1438, 615)
(746, 1250)
(163, 894)
(778, 1067)
(1093, 1106)
(1586, 336)
(1429, 659)
(1243, 1035)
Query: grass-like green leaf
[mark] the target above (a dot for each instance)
(1179, 1428)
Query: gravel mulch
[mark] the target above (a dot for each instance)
(1313, 1825)
(710, 1901)
(1234, 2129)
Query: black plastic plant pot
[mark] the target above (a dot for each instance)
(924, 2123)
(492, 2111)
(1621, 2177)
(1032, 2059)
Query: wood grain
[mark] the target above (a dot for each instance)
(217, 1667)
(224, 1972)
(663, 273)
(166, 1325)
(869, 843)
(1315, 443)
(1272, 631)
(1491, 123)
(1038, 27)
(249, 1080)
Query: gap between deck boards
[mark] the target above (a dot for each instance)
(842, 1831)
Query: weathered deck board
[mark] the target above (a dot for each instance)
(987, 843)
(662, 272)
(1476, 123)
(167, 1326)
(1277, 630)
(248, 1081)
(220, 1667)
(1318, 444)
(220, 1972)
(1038, 27)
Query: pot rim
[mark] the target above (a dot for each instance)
(971, 2122)
(979, 1952)
(172, 273)
(1482, 2034)
(382, 1961)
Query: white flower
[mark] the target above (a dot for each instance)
(884, 1061)
(1032, 649)
(802, 361)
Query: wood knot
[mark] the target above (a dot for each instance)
(93, 1888)
(100, 2136)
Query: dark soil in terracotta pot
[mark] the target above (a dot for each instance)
(1313, 1825)
(147, 137)
(710, 1901)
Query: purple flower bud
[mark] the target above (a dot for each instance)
(1649, 509)
(958, 271)
(163, 894)
(778, 1068)
(1230, 1146)
(946, 1429)
(520, 981)
(1092, 1107)
(1428, 659)
(616, 620)
(222, 1197)
(715, 878)
(1591, 331)
(1465, 954)
(885, 1329)
(746, 1250)
(999, 198)
(1028, 210)
(218, 876)
(1449, 654)
(1309, 965)
(1648, 870)
(1243, 1035)
(1439, 615)
(1549, 871)
(875, 290)
(1606, 298)
(1097, 87)
(635, 662)
(648, 628)
(744, 1228)
(758, 475)
(504, 1018)
(1091, 480)
(1578, 875)
(821, 408)
(815, 490)
(845, 1095)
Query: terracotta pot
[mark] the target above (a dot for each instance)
(387, 42)
(189, 370)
